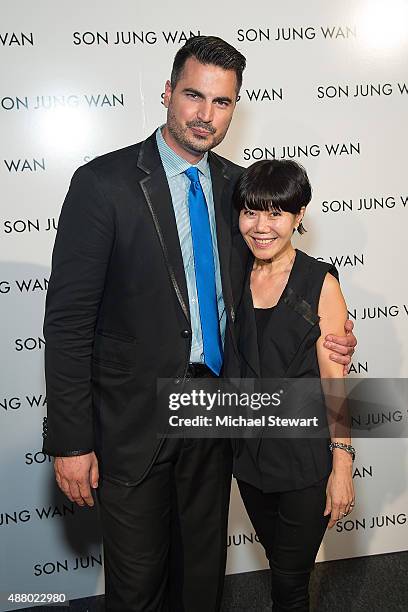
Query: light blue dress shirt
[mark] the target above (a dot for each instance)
(179, 184)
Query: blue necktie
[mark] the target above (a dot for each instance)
(204, 272)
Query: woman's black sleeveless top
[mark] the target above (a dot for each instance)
(286, 337)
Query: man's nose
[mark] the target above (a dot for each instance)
(205, 111)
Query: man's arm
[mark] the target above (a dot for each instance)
(80, 259)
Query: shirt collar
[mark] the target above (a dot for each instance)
(173, 164)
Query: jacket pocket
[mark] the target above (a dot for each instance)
(116, 351)
(114, 335)
(114, 365)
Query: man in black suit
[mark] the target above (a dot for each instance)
(124, 309)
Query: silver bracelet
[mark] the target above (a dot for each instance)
(346, 447)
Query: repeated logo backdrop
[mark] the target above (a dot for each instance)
(326, 84)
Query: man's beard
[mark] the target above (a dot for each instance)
(192, 143)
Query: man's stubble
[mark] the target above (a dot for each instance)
(193, 144)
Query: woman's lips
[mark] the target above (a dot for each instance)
(263, 243)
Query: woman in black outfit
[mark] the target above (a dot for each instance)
(292, 488)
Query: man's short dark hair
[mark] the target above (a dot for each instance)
(209, 50)
(272, 184)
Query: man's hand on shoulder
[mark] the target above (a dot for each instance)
(76, 476)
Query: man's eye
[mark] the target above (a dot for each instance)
(274, 213)
(249, 213)
(192, 95)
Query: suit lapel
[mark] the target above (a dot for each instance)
(158, 199)
(220, 181)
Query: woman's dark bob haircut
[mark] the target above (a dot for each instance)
(272, 184)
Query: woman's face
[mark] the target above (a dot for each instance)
(268, 233)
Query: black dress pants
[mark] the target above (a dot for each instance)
(165, 539)
(290, 526)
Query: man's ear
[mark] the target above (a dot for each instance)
(167, 94)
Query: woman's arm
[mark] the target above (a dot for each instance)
(333, 314)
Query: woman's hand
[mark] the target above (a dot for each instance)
(339, 490)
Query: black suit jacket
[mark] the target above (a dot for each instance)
(117, 314)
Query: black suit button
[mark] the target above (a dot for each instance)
(177, 381)
(185, 333)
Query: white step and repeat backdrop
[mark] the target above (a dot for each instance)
(326, 84)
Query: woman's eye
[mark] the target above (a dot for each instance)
(249, 213)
